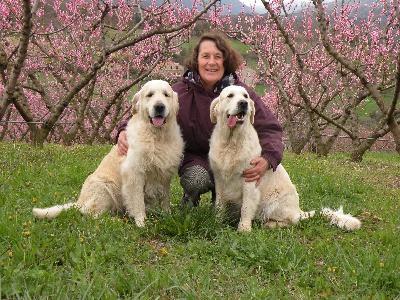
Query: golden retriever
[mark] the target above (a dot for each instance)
(233, 144)
(141, 179)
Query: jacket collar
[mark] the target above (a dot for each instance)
(227, 80)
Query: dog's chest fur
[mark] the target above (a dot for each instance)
(148, 147)
(231, 152)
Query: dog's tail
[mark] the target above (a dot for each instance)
(341, 220)
(52, 212)
(307, 214)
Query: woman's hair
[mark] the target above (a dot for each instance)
(232, 58)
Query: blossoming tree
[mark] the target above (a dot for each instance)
(323, 66)
(67, 67)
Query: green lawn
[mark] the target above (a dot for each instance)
(193, 254)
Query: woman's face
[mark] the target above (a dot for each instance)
(211, 64)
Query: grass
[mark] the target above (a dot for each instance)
(193, 254)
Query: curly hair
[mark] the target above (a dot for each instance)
(232, 58)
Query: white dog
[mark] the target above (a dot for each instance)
(129, 184)
(233, 144)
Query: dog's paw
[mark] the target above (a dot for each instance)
(243, 228)
(140, 222)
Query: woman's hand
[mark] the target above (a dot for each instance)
(122, 144)
(260, 166)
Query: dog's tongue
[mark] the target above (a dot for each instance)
(158, 121)
(231, 121)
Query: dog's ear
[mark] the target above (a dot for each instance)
(214, 110)
(252, 112)
(175, 98)
(134, 103)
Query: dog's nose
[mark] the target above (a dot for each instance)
(159, 108)
(242, 104)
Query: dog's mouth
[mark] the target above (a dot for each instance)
(158, 114)
(234, 120)
(157, 121)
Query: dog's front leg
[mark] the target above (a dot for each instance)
(218, 204)
(133, 197)
(251, 199)
(165, 202)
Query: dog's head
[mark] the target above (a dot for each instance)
(156, 102)
(233, 106)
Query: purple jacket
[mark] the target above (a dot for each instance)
(196, 126)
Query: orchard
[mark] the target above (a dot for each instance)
(69, 68)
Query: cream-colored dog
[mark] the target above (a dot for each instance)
(233, 144)
(141, 179)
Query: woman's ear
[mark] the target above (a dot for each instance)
(214, 110)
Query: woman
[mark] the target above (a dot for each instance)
(210, 68)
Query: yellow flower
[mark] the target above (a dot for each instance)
(27, 224)
(10, 254)
(381, 264)
(27, 233)
(55, 193)
(34, 200)
(81, 239)
(164, 252)
(52, 234)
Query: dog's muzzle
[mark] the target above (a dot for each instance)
(159, 118)
(237, 119)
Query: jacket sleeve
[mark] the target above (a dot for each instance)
(269, 132)
(121, 128)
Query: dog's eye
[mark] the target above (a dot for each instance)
(245, 96)
(149, 95)
(167, 95)
(230, 95)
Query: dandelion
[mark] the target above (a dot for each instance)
(10, 254)
(27, 224)
(34, 199)
(56, 194)
(381, 264)
(27, 233)
(52, 234)
(81, 239)
(164, 252)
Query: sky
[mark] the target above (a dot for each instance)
(251, 2)
(260, 5)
